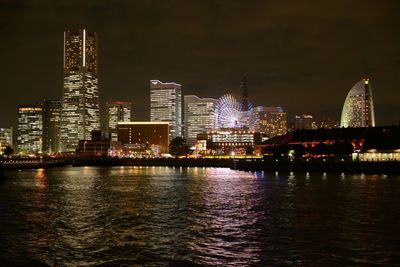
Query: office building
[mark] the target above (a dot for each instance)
(304, 121)
(51, 125)
(80, 111)
(358, 108)
(6, 138)
(117, 111)
(198, 117)
(30, 129)
(271, 121)
(166, 105)
(142, 136)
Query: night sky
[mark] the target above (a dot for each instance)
(302, 55)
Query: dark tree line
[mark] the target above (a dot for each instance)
(178, 147)
(338, 149)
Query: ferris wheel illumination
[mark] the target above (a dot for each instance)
(230, 113)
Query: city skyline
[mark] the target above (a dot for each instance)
(288, 53)
(199, 133)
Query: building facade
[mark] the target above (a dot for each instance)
(142, 136)
(80, 111)
(51, 125)
(98, 145)
(198, 117)
(166, 105)
(271, 121)
(6, 138)
(30, 129)
(117, 111)
(304, 121)
(358, 108)
(228, 141)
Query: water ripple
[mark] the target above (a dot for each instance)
(158, 216)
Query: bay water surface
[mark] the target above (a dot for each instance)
(161, 216)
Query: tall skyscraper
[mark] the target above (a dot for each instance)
(198, 117)
(30, 128)
(51, 125)
(117, 111)
(80, 111)
(166, 105)
(358, 108)
(271, 120)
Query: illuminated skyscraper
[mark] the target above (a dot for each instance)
(358, 108)
(117, 111)
(198, 117)
(271, 120)
(80, 112)
(30, 128)
(166, 105)
(51, 125)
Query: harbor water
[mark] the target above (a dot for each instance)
(163, 216)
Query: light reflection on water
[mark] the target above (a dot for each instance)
(205, 216)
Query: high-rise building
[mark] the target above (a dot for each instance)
(30, 128)
(271, 120)
(80, 111)
(198, 117)
(166, 105)
(304, 121)
(6, 138)
(358, 108)
(51, 125)
(117, 111)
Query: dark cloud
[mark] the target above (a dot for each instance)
(303, 55)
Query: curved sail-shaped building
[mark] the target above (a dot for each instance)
(358, 108)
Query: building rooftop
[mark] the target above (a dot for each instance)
(375, 137)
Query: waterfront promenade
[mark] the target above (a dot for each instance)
(266, 164)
